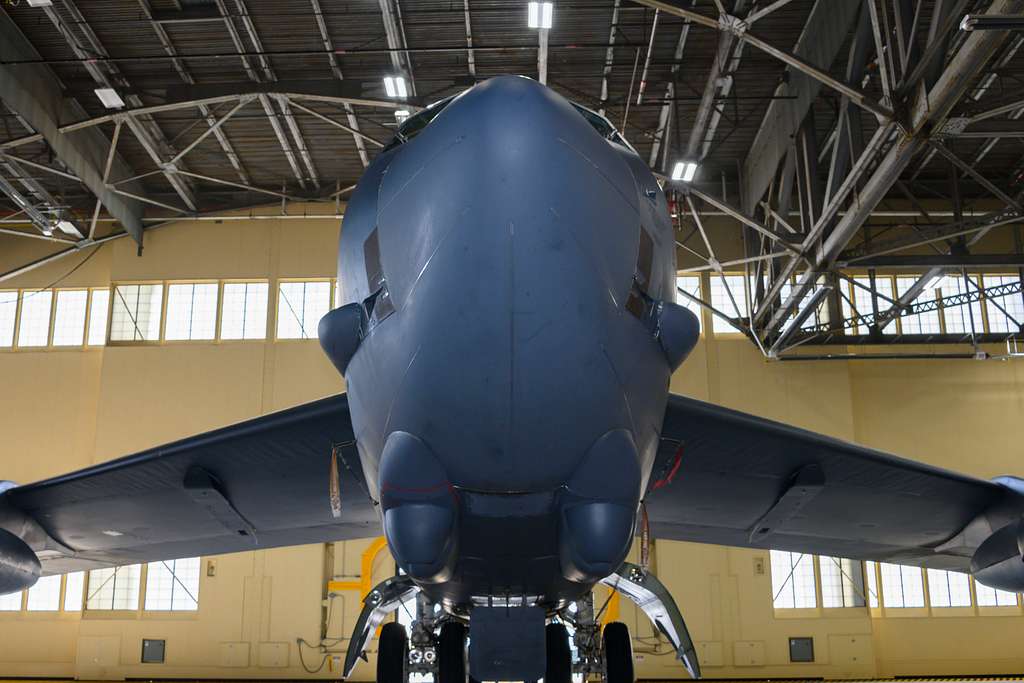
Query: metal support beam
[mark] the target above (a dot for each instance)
(660, 136)
(609, 56)
(350, 114)
(927, 111)
(34, 92)
(145, 129)
(823, 35)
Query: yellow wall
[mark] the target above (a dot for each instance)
(64, 409)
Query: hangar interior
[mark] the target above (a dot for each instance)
(845, 178)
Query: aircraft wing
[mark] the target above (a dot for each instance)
(286, 478)
(729, 478)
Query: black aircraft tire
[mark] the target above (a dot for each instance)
(451, 653)
(558, 664)
(618, 653)
(392, 653)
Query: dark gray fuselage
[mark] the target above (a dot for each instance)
(506, 401)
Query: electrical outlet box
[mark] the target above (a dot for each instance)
(759, 568)
(153, 651)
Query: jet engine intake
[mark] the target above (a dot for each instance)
(19, 566)
(999, 560)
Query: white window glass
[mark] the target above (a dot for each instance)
(691, 285)
(948, 589)
(958, 318)
(990, 597)
(74, 584)
(862, 300)
(728, 295)
(191, 311)
(136, 313)
(69, 318)
(902, 586)
(173, 585)
(869, 571)
(8, 314)
(44, 596)
(34, 324)
(842, 582)
(1011, 303)
(300, 305)
(116, 588)
(10, 602)
(919, 323)
(99, 303)
(793, 580)
(244, 313)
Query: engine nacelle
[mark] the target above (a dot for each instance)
(999, 561)
(19, 566)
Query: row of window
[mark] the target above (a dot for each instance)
(168, 586)
(170, 311)
(1004, 314)
(801, 581)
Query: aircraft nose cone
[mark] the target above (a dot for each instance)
(509, 225)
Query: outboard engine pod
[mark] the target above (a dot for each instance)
(999, 561)
(19, 566)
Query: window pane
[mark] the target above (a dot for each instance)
(34, 325)
(792, 580)
(300, 306)
(69, 319)
(1011, 303)
(98, 307)
(136, 313)
(191, 311)
(902, 586)
(10, 602)
(990, 597)
(842, 582)
(948, 589)
(244, 314)
(73, 585)
(958, 318)
(173, 585)
(862, 300)
(45, 595)
(116, 588)
(691, 285)
(920, 323)
(721, 289)
(8, 311)
(869, 570)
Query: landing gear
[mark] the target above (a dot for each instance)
(392, 654)
(451, 653)
(618, 653)
(558, 665)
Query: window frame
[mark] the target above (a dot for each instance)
(216, 317)
(276, 338)
(110, 313)
(270, 326)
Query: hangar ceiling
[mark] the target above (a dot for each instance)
(839, 134)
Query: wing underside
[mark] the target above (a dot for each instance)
(287, 478)
(729, 478)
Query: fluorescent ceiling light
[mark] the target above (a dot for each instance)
(394, 86)
(109, 98)
(67, 227)
(401, 115)
(40, 3)
(684, 170)
(539, 14)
